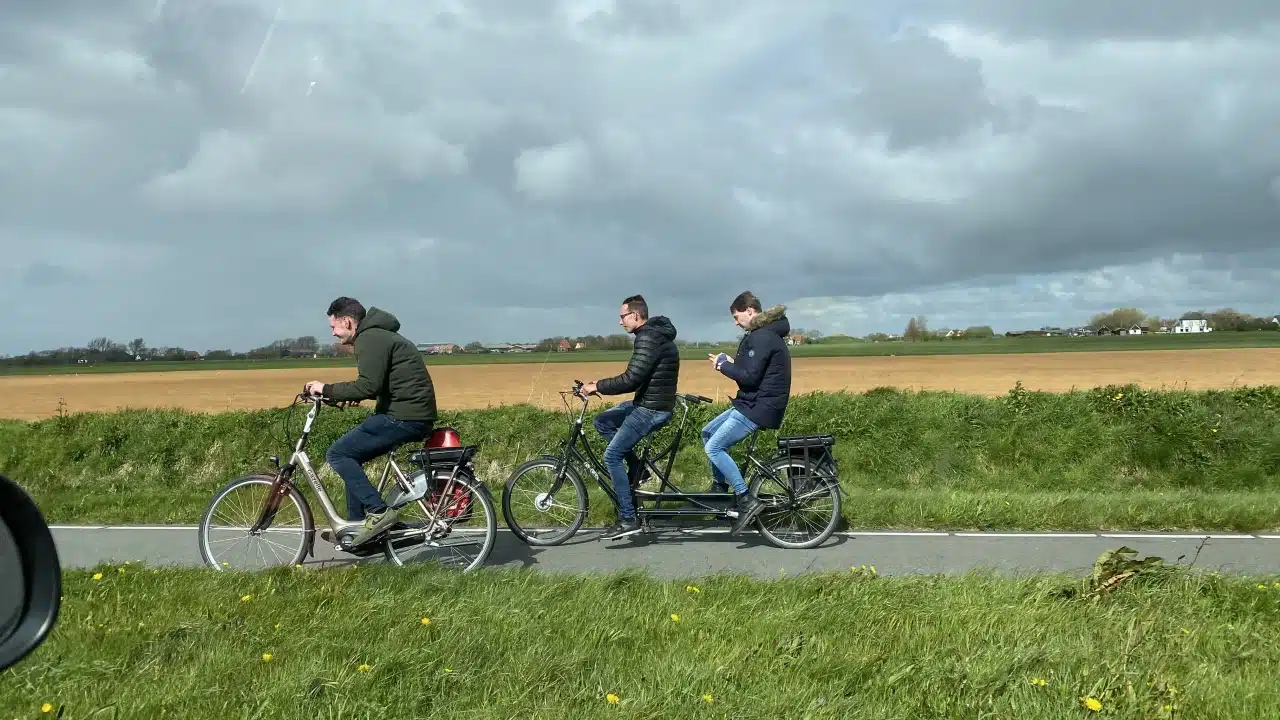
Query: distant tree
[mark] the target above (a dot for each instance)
(621, 341)
(979, 332)
(917, 329)
(1230, 319)
(1118, 318)
(474, 346)
(136, 347)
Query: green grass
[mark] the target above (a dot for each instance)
(1102, 459)
(350, 643)
(995, 346)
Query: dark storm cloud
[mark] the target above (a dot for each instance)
(1092, 19)
(512, 169)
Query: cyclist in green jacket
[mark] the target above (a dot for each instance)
(391, 371)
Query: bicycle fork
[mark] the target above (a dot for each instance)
(279, 488)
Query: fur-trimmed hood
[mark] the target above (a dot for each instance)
(774, 319)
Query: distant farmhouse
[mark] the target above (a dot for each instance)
(437, 348)
(1192, 323)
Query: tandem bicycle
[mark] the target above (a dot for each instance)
(800, 485)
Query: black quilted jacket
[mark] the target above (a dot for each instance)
(653, 370)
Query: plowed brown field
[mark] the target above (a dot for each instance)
(478, 386)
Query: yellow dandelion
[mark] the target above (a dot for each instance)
(1262, 587)
(121, 571)
(1093, 704)
(1039, 682)
(708, 699)
(426, 621)
(691, 588)
(46, 708)
(873, 567)
(266, 657)
(277, 626)
(364, 668)
(675, 618)
(97, 576)
(246, 598)
(448, 670)
(612, 699)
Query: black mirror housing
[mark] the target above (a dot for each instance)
(35, 553)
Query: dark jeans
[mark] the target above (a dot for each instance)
(624, 426)
(377, 435)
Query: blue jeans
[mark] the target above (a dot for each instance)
(377, 435)
(726, 430)
(624, 426)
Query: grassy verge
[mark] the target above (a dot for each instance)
(353, 643)
(991, 346)
(1108, 458)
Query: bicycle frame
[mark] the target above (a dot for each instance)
(667, 491)
(300, 459)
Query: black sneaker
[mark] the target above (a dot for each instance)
(747, 507)
(622, 528)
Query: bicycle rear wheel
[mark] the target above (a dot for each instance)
(805, 521)
(236, 507)
(462, 535)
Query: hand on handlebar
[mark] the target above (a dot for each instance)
(310, 396)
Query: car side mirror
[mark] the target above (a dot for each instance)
(31, 592)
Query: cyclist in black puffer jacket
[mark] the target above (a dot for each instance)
(652, 375)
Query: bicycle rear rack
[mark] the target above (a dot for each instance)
(815, 452)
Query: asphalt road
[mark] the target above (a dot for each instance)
(683, 552)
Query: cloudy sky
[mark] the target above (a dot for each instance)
(211, 173)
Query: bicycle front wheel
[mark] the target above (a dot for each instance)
(462, 534)
(533, 513)
(224, 537)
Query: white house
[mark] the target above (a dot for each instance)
(1192, 325)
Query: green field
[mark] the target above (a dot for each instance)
(1108, 458)
(389, 644)
(999, 345)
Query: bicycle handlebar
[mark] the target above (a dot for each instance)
(695, 398)
(339, 404)
(687, 397)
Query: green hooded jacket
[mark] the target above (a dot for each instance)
(391, 370)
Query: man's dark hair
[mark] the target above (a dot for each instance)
(637, 305)
(746, 300)
(347, 307)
